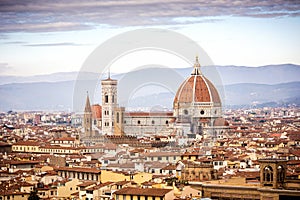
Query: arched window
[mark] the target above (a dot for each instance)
(118, 117)
(268, 174)
(280, 173)
(106, 98)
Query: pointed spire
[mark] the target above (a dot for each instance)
(196, 70)
(87, 103)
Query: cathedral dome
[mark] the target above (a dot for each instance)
(197, 89)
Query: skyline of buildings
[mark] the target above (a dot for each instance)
(109, 153)
(198, 148)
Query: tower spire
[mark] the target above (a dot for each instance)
(87, 103)
(87, 118)
(196, 70)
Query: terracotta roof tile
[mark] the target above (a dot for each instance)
(143, 191)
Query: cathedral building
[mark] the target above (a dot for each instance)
(197, 111)
(197, 107)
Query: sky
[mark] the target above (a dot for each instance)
(49, 36)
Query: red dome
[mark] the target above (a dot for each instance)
(221, 122)
(197, 88)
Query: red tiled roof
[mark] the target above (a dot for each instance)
(143, 191)
(27, 143)
(78, 169)
(64, 139)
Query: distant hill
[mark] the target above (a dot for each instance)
(269, 74)
(59, 96)
(37, 96)
(272, 85)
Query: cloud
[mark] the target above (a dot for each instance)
(33, 16)
(53, 44)
(4, 68)
(15, 42)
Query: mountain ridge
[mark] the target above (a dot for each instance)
(242, 86)
(46, 96)
(288, 71)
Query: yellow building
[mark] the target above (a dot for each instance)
(26, 147)
(65, 190)
(80, 173)
(141, 177)
(114, 176)
(8, 195)
(107, 176)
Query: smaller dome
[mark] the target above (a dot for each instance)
(97, 111)
(221, 122)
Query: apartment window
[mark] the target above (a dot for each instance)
(159, 158)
